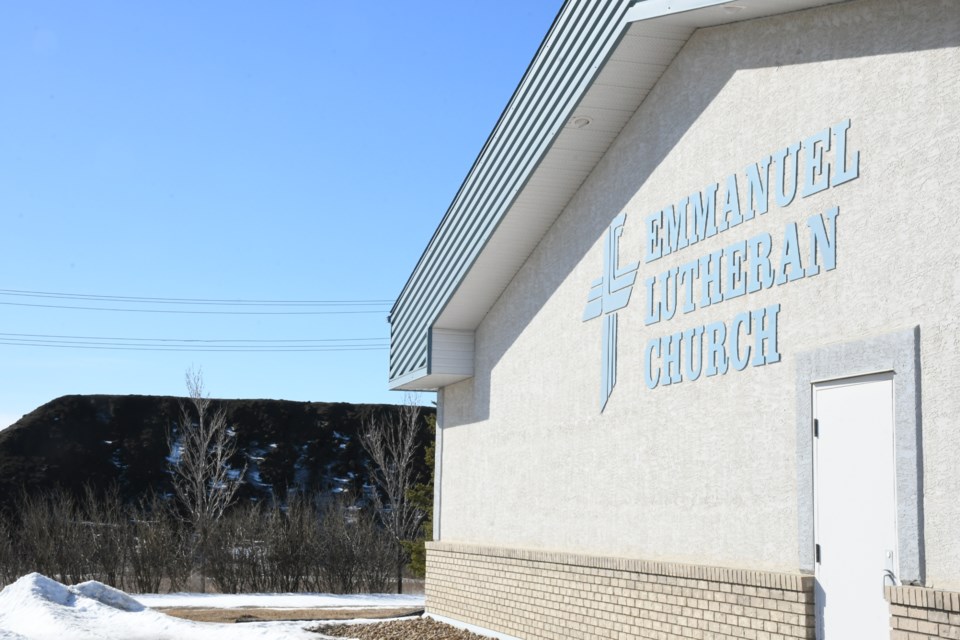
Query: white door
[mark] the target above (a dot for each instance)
(855, 502)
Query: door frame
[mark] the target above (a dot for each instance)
(898, 353)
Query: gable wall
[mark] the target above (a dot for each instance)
(705, 471)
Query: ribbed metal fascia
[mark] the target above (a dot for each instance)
(569, 58)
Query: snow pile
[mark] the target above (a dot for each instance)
(38, 608)
(106, 595)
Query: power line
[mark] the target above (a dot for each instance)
(190, 301)
(203, 340)
(186, 348)
(284, 345)
(184, 311)
(327, 307)
(200, 350)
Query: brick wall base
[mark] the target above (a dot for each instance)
(917, 613)
(535, 594)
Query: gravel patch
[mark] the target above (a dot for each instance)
(266, 614)
(418, 629)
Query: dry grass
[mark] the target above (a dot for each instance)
(262, 614)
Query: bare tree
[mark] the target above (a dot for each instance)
(391, 442)
(199, 459)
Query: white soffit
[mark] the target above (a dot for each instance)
(710, 13)
(657, 30)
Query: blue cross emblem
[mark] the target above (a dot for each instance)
(608, 294)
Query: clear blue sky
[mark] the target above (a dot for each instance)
(293, 150)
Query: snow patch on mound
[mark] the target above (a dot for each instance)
(36, 587)
(107, 595)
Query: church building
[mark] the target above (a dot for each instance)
(693, 320)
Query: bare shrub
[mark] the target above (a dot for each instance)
(157, 548)
(37, 547)
(106, 527)
(238, 550)
(261, 548)
(292, 542)
(376, 554)
(10, 562)
(354, 554)
(253, 548)
(336, 563)
(54, 538)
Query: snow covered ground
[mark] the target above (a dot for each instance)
(38, 608)
(281, 600)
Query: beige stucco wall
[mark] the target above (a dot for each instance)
(705, 472)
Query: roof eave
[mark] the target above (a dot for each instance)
(468, 294)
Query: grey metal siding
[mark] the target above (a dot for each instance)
(567, 61)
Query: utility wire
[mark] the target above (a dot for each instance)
(186, 348)
(294, 307)
(183, 311)
(47, 335)
(290, 345)
(193, 350)
(190, 301)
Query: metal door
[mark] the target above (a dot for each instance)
(855, 506)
